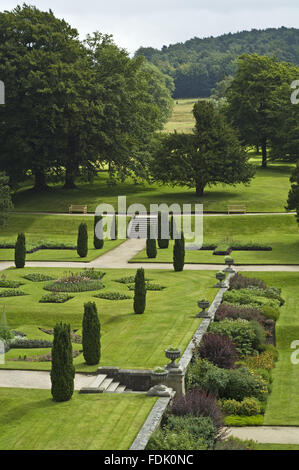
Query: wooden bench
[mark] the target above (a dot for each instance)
(236, 208)
(78, 208)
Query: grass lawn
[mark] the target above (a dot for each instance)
(50, 228)
(182, 119)
(281, 232)
(267, 193)
(128, 340)
(283, 405)
(30, 420)
(277, 447)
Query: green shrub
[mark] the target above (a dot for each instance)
(247, 297)
(265, 360)
(9, 284)
(234, 443)
(201, 428)
(55, 298)
(91, 335)
(270, 312)
(128, 280)
(82, 241)
(140, 292)
(149, 286)
(11, 293)
(5, 333)
(151, 248)
(38, 277)
(246, 407)
(20, 251)
(26, 343)
(179, 254)
(260, 336)
(63, 371)
(240, 331)
(234, 384)
(159, 440)
(112, 296)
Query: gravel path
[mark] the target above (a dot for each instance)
(37, 379)
(268, 434)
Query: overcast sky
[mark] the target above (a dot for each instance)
(136, 23)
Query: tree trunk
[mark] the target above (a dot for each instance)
(70, 175)
(200, 186)
(40, 181)
(264, 153)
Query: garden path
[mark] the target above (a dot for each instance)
(37, 379)
(267, 434)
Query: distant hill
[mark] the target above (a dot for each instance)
(198, 64)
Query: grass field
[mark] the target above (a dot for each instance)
(182, 119)
(40, 228)
(30, 420)
(283, 405)
(281, 232)
(267, 193)
(128, 340)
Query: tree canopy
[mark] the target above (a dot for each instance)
(197, 65)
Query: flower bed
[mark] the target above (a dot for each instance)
(237, 372)
(11, 293)
(112, 296)
(55, 298)
(81, 282)
(38, 277)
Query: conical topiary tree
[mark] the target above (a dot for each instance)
(82, 242)
(172, 228)
(63, 371)
(179, 253)
(98, 243)
(114, 228)
(140, 292)
(151, 248)
(163, 243)
(91, 334)
(20, 251)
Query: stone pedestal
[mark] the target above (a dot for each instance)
(160, 391)
(176, 381)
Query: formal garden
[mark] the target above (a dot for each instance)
(100, 335)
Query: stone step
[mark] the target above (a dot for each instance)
(112, 387)
(105, 384)
(97, 382)
(120, 389)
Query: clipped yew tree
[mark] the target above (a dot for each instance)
(151, 248)
(140, 292)
(63, 371)
(98, 239)
(82, 242)
(163, 243)
(179, 254)
(91, 334)
(20, 251)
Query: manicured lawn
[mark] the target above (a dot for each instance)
(128, 340)
(49, 228)
(30, 420)
(267, 193)
(281, 232)
(283, 405)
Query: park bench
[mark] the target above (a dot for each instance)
(236, 208)
(78, 208)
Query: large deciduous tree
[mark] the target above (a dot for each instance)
(5, 198)
(251, 103)
(211, 154)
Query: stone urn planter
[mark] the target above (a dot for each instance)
(220, 276)
(229, 262)
(159, 375)
(204, 305)
(173, 354)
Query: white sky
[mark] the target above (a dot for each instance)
(136, 23)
